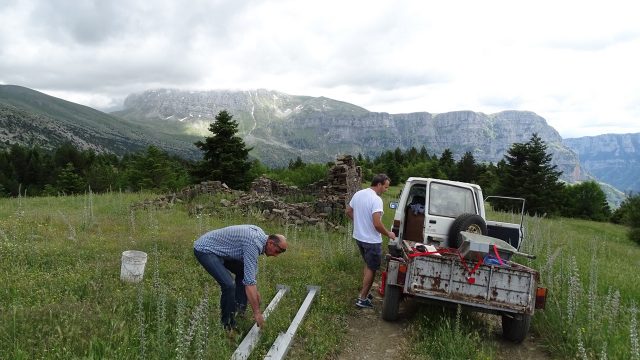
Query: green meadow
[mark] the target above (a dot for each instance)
(61, 296)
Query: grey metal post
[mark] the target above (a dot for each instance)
(249, 342)
(281, 346)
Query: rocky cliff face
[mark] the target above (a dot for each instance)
(281, 126)
(612, 158)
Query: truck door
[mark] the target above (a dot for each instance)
(414, 216)
(445, 202)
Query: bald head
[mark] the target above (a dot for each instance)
(276, 245)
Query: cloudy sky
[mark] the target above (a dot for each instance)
(575, 63)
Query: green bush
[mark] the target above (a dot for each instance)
(634, 234)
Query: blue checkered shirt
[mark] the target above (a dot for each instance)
(238, 242)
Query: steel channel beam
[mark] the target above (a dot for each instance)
(280, 347)
(249, 342)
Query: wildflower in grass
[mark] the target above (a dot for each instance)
(603, 353)
(633, 333)
(180, 323)
(140, 315)
(573, 296)
(548, 267)
(72, 230)
(612, 307)
(582, 352)
(593, 285)
(161, 314)
(196, 318)
(202, 327)
(156, 269)
(132, 221)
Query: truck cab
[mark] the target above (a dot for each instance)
(430, 211)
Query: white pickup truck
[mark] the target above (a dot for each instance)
(446, 251)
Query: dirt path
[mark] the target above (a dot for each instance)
(371, 338)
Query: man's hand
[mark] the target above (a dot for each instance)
(257, 316)
(391, 235)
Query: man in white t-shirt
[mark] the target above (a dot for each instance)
(365, 209)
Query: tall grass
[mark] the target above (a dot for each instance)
(588, 268)
(61, 296)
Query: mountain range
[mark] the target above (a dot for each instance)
(281, 127)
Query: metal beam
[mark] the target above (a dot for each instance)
(249, 342)
(280, 347)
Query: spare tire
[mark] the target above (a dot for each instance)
(466, 222)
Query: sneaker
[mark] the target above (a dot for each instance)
(365, 304)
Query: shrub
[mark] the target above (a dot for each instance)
(634, 234)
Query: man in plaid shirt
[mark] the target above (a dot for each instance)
(235, 249)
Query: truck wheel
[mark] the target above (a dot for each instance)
(515, 329)
(466, 222)
(390, 303)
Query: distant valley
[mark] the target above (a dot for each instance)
(611, 158)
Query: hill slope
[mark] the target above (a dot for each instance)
(28, 117)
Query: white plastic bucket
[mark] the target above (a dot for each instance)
(132, 269)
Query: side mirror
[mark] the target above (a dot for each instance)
(393, 204)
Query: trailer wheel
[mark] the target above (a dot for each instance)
(390, 302)
(514, 329)
(466, 222)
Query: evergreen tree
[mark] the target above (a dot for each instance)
(102, 173)
(412, 156)
(298, 164)
(488, 178)
(528, 173)
(67, 153)
(69, 182)
(424, 155)
(466, 168)
(629, 214)
(587, 201)
(154, 169)
(225, 155)
(447, 164)
(398, 156)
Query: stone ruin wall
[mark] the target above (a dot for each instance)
(331, 196)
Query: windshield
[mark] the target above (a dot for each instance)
(450, 201)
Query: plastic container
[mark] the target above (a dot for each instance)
(132, 269)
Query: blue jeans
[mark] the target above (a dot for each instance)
(233, 296)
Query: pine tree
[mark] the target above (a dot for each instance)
(447, 164)
(225, 155)
(528, 173)
(467, 168)
(69, 182)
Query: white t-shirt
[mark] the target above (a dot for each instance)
(364, 204)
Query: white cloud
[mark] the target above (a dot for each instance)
(572, 62)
